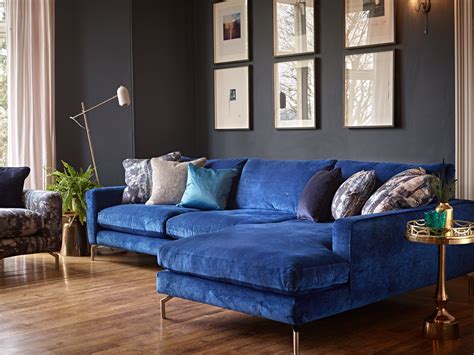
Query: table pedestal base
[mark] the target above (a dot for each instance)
(441, 326)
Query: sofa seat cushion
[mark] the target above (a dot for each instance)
(132, 242)
(144, 220)
(19, 222)
(204, 222)
(288, 257)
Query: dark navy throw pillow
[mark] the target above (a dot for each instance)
(315, 200)
(12, 181)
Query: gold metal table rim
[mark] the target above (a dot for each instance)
(461, 233)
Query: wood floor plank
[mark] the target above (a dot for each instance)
(111, 307)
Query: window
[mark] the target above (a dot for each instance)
(3, 86)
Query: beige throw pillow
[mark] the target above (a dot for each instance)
(169, 180)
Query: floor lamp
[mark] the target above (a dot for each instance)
(123, 100)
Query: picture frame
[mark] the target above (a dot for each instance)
(294, 27)
(369, 23)
(369, 87)
(232, 98)
(231, 31)
(294, 87)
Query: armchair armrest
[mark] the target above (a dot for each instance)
(97, 200)
(384, 263)
(49, 205)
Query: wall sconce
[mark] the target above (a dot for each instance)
(423, 6)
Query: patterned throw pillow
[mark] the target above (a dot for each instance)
(169, 180)
(353, 194)
(408, 189)
(138, 177)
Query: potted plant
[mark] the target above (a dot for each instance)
(72, 184)
(445, 190)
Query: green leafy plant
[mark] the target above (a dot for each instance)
(72, 184)
(444, 188)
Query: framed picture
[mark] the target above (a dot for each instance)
(369, 22)
(294, 94)
(293, 27)
(231, 98)
(231, 43)
(369, 88)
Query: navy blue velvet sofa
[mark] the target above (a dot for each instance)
(257, 258)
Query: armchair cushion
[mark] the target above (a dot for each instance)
(19, 222)
(48, 205)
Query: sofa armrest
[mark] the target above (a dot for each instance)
(97, 200)
(384, 263)
(49, 205)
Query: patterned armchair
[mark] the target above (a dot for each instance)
(33, 229)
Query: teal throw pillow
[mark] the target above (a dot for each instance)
(207, 189)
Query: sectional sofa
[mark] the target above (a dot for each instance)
(257, 258)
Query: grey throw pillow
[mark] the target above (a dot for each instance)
(138, 177)
(408, 189)
(169, 180)
(353, 194)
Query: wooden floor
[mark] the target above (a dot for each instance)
(110, 306)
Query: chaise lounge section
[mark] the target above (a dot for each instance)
(260, 260)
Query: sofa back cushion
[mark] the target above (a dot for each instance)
(233, 163)
(276, 184)
(385, 171)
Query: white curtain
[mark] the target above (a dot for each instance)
(30, 53)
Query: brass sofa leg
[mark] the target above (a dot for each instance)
(93, 251)
(56, 260)
(163, 306)
(296, 340)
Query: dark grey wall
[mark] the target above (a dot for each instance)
(424, 91)
(93, 58)
(163, 77)
(166, 47)
(94, 55)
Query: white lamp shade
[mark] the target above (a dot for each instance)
(123, 96)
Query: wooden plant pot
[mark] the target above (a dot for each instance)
(75, 241)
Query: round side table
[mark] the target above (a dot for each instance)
(441, 325)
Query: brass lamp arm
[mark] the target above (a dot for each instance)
(92, 108)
